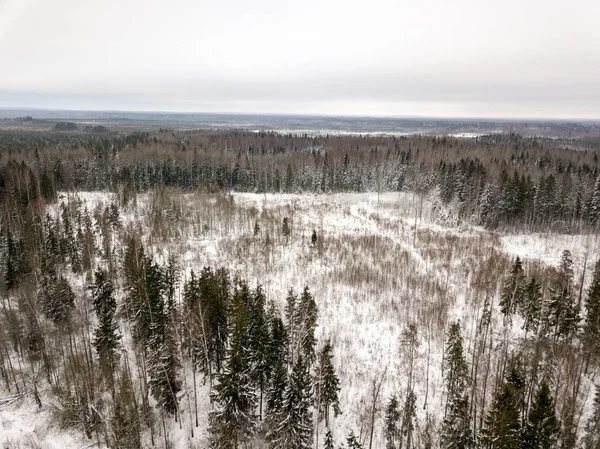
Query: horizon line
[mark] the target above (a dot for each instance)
(293, 114)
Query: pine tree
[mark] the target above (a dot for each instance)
(125, 422)
(542, 427)
(106, 334)
(513, 291)
(392, 418)
(591, 439)
(308, 314)
(233, 421)
(163, 364)
(276, 389)
(313, 238)
(57, 298)
(591, 330)
(352, 441)
(409, 413)
(595, 203)
(293, 324)
(256, 228)
(562, 307)
(215, 302)
(259, 340)
(285, 228)
(328, 444)
(456, 427)
(171, 281)
(502, 428)
(292, 428)
(532, 306)
(327, 384)
(455, 365)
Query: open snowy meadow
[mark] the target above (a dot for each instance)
(389, 273)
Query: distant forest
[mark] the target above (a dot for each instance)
(495, 180)
(269, 379)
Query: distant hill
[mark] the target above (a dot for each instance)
(65, 126)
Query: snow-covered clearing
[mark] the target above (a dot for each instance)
(372, 272)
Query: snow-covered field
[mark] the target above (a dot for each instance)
(381, 263)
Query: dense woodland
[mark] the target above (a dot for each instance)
(496, 180)
(131, 351)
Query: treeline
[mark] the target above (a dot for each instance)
(552, 358)
(118, 356)
(119, 372)
(503, 180)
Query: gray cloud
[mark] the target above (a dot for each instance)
(510, 58)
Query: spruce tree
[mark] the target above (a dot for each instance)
(164, 364)
(532, 306)
(542, 427)
(328, 444)
(106, 334)
(276, 389)
(591, 439)
(56, 297)
(259, 341)
(456, 427)
(327, 384)
(502, 429)
(591, 330)
(308, 314)
(513, 291)
(293, 324)
(291, 428)
(233, 421)
(594, 213)
(392, 418)
(563, 315)
(125, 420)
(352, 441)
(409, 413)
(285, 228)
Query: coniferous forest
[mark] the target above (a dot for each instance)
(235, 289)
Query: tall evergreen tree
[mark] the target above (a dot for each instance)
(513, 291)
(328, 444)
(308, 314)
(591, 439)
(106, 334)
(292, 427)
(563, 315)
(591, 330)
(456, 427)
(259, 344)
(409, 413)
(125, 420)
(327, 384)
(392, 419)
(502, 428)
(352, 441)
(56, 297)
(594, 213)
(233, 421)
(164, 364)
(532, 306)
(542, 427)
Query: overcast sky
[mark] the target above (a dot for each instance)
(473, 58)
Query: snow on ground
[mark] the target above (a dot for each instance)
(24, 425)
(383, 261)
